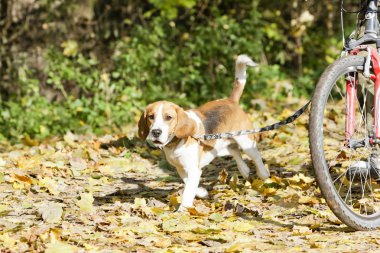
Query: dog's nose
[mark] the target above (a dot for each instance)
(156, 132)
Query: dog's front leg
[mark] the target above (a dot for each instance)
(191, 186)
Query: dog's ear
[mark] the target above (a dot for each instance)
(185, 125)
(143, 126)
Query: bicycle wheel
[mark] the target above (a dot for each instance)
(343, 171)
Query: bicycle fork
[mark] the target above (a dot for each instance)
(351, 98)
(351, 89)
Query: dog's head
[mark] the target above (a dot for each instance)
(162, 121)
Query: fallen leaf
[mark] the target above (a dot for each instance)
(301, 230)
(70, 139)
(77, 165)
(199, 210)
(59, 247)
(308, 200)
(163, 242)
(217, 217)
(7, 241)
(24, 179)
(51, 212)
(4, 209)
(53, 186)
(243, 226)
(2, 163)
(269, 191)
(85, 202)
(174, 200)
(139, 202)
(223, 175)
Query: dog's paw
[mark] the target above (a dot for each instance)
(201, 193)
(263, 173)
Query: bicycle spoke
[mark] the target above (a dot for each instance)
(357, 192)
(346, 162)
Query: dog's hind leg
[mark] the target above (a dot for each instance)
(249, 147)
(242, 166)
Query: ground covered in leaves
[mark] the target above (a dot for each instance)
(113, 194)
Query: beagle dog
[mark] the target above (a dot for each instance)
(171, 128)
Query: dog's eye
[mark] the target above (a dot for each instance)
(151, 117)
(168, 117)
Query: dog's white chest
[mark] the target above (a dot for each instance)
(183, 155)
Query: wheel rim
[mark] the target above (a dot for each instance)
(348, 167)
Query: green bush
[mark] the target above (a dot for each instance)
(99, 77)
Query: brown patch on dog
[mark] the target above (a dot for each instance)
(223, 116)
(185, 125)
(143, 126)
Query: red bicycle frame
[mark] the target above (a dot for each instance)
(351, 95)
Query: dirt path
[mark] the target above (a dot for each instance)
(77, 195)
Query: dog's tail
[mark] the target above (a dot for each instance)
(240, 76)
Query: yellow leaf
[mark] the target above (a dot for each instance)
(170, 225)
(199, 210)
(269, 191)
(77, 165)
(243, 227)
(24, 179)
(308, 200)
(223, 175)
(2, 163)
(241, 246)
(51, 185)
(181, 224)
(306, 179)
(216, 217)
(85, 202)
(29, 141)
(4, 209)
(295, 179)
(51, 212)
(301, 230)
(163, 242)
(275, 179)
(145, 228)
(257, 184)
(70, 47)
(90, 248)
(59, 247)
(316, 225)
(140, 202)
(17, 185)
(7, 241)
(286, 113)
(296, 161)
(188, 236)
(174, 200)
(70, 139)
(234, 248)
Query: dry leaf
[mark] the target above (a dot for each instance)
(51, 212)
(85, 202)
(59, 247)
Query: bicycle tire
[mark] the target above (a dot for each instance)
(324, 179)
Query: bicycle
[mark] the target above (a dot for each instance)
(345, 150)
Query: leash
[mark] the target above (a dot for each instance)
(286, 121)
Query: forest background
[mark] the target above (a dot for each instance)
(92, 65)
